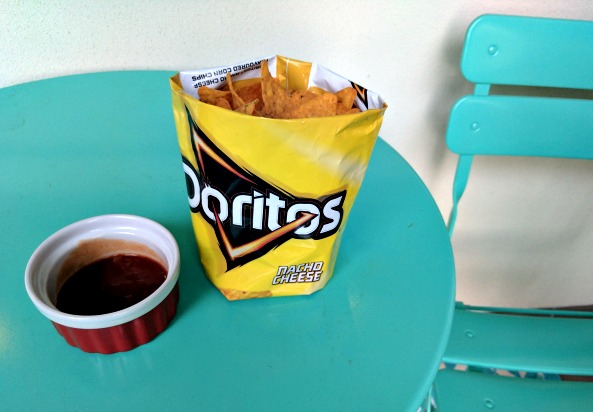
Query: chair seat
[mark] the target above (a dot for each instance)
(473, 391)
(556, 345)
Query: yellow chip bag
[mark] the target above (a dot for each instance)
(274, 152)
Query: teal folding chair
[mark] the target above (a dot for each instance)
(520, 51)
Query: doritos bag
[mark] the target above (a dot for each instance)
(270, 198)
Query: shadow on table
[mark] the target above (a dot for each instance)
(193, 284)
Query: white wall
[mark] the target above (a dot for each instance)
(408, 51)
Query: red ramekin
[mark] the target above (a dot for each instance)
(116, 331)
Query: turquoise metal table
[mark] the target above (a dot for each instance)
(84, 145)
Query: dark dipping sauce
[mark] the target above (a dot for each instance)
(110, 284)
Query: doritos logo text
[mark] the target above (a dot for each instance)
(249, 215)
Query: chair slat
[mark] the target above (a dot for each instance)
(470, 391)
(530, 52)
(524, 343)
(522, 126)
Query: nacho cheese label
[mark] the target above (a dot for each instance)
(269, 198)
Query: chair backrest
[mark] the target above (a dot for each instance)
(519, 51)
